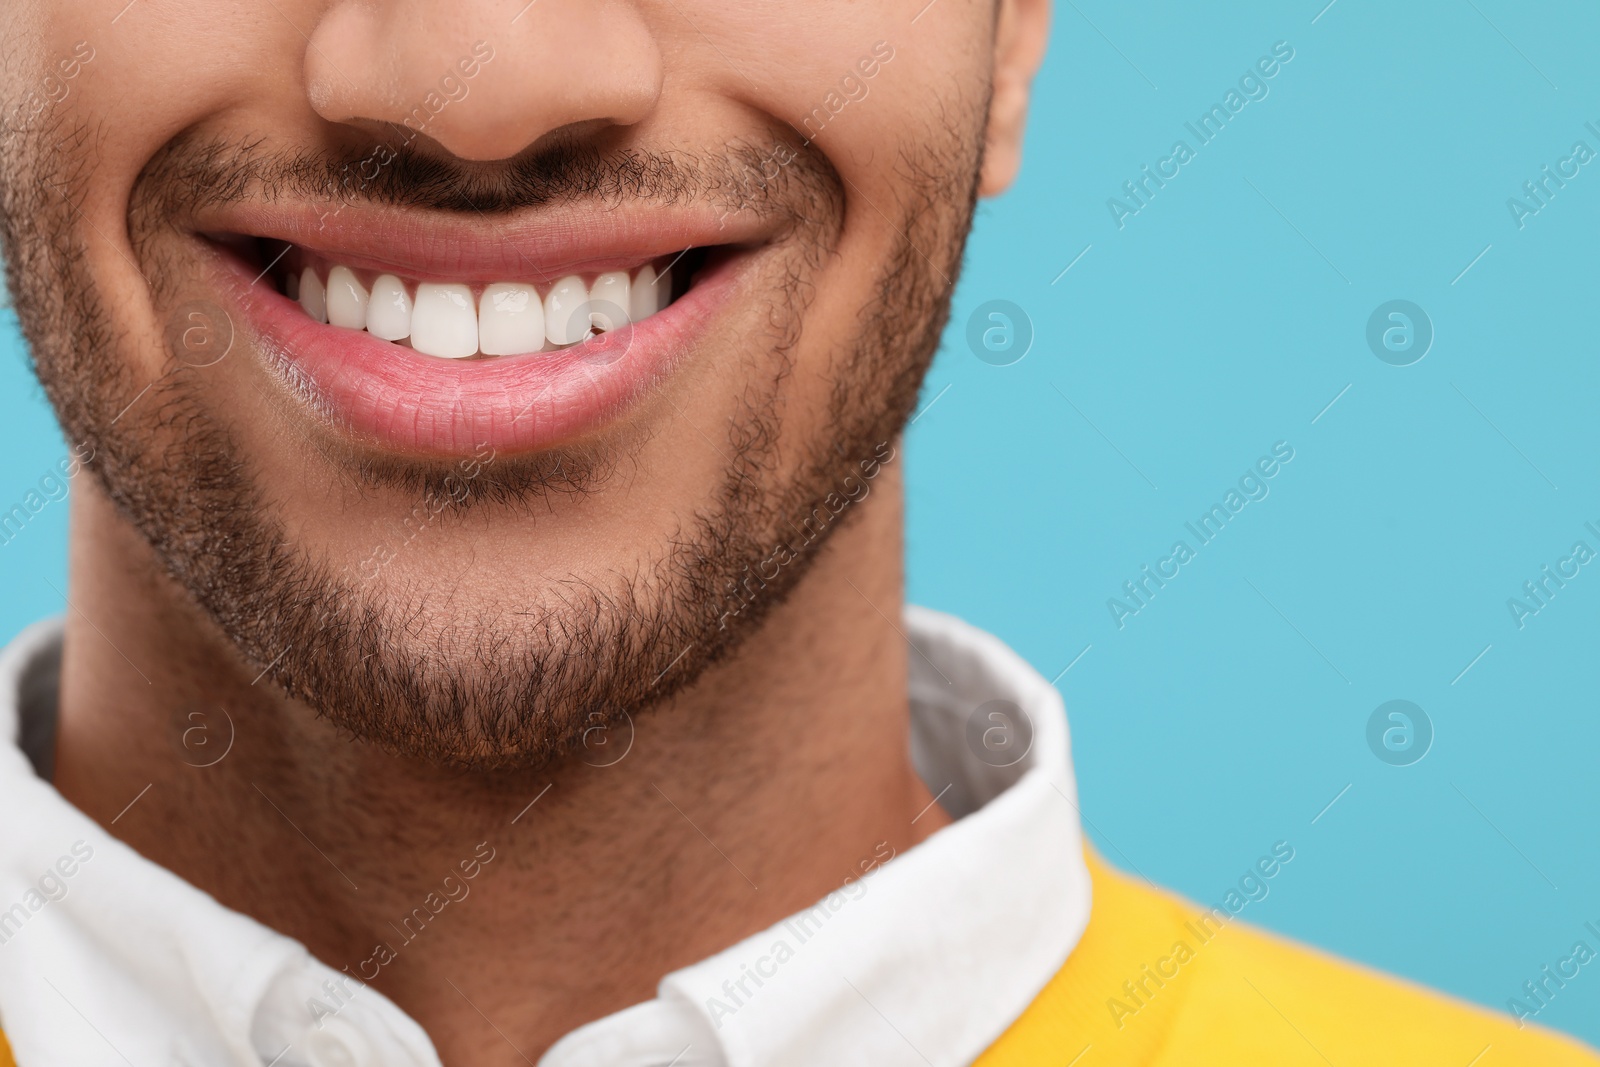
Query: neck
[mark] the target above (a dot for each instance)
(751, 795)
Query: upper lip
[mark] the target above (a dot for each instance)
(540, 245)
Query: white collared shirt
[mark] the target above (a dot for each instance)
(107, 958)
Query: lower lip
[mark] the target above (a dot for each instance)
(400, 400)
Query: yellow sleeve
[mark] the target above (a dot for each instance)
(1152, 984)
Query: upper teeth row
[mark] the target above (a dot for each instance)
(509, 318)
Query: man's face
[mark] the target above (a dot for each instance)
(456, 530)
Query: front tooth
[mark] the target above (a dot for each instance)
(562, 323)
(312, 297)
(389, 309)
(648, 293)
(445, 322)
(347, 299)
(510, 320)
(609, 300)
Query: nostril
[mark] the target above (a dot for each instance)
(339, 70)
(487, 97)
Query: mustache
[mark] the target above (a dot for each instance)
(195, 171)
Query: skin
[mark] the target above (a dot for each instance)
(760, 769)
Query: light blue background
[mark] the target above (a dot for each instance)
(1224, 318)
(1209, 328)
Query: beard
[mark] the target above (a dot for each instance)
(510, 687)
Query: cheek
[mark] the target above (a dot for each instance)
(828, 45)
(144, 73)
(922, 103)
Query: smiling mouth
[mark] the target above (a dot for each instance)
(420, 338)
(473, 319)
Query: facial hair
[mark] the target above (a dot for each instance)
(505, 689)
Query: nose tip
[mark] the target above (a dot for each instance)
(483, 93)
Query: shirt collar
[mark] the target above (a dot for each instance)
(922, 960)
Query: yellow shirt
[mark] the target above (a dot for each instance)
(1160, 982)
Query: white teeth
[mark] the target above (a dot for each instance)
(444, 321)
(645, 297)
(562, 323)
(312, 297)
(507, 319)
(389, 311)
(608, 301)
(347, 299)
(510, 320)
